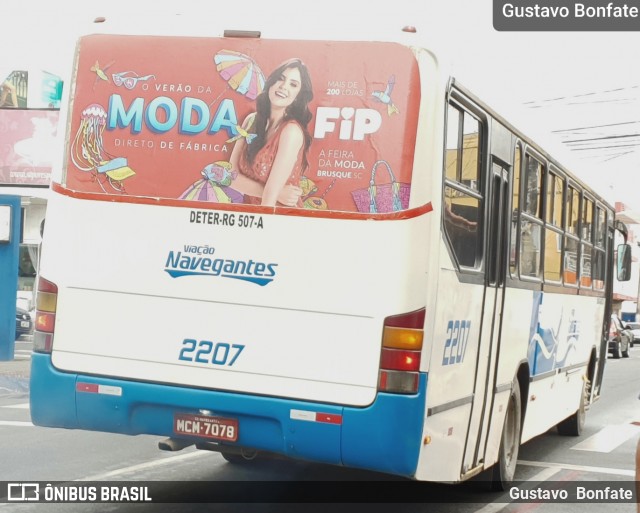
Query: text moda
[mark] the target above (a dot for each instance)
(579, 11)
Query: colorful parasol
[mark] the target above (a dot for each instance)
(214, 185)
(241, 72)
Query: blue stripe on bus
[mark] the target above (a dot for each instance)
(384, 437)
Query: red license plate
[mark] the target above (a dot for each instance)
(216, 428)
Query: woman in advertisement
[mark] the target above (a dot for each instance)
(272, 158)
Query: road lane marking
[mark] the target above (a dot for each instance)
(15, 423)
(543, 475)
(144, 466)
(608, 438)
(23, 406)
(580, 468)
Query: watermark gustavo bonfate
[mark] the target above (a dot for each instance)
(593, 492)
(566, 15)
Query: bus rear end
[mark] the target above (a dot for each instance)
(169, 306)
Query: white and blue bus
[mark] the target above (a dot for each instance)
(433, 290)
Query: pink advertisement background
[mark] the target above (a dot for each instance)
(27, 146)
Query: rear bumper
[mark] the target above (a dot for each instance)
(385, 436)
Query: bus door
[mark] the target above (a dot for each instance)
(496, 246)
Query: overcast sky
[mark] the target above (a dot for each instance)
(578, 90)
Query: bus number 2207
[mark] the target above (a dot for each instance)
(205, 351)
(456, 344)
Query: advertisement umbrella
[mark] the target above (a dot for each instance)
(214, 185)
(241, 72)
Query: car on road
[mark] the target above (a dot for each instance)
(634, 327)
(620, 338)
(24, 324)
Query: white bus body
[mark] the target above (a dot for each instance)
(241, 327)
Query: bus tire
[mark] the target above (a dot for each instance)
(573, 426)
(505, 468)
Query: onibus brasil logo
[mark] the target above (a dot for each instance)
(199, 261)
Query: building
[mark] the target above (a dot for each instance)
(625, 294)
(29, 110)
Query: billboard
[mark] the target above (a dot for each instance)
(232, 120)
(27, 146)
(45, 90)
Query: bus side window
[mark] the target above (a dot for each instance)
(530, 248)
(462, 199)
(599, 250)
(571, 240)
(530, 219)
(553, 229)
(586, 246)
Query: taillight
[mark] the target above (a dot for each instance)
(46, 304)
(402, 339)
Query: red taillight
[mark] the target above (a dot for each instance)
(46, 286)
(46, 305)
(45, 321)
(398, 359)
(401, 350)
(413, 319)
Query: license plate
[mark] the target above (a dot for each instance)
(24, 324)
(204, 426)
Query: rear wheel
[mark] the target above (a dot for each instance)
(573, 426)
(505, 468)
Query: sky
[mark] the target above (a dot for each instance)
(575, 93)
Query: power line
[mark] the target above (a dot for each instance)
(603, 138)
(595, 126)
(616, 156)
(592, 93)
(593, 148)
(619, 101)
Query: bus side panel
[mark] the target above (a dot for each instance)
(452, 372)
(515, 334)
(564, 330)
(446, 432)
(560, 333)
